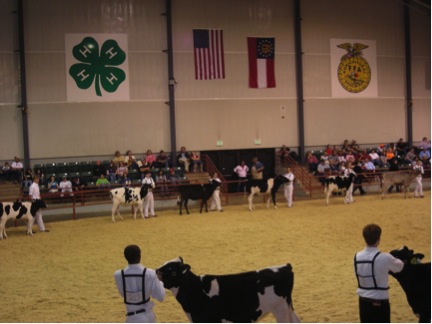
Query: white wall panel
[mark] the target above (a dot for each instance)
(367, 121)
(237, 123)
(10, 132)
(86, 129)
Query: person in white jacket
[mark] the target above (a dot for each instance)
(289, 187)
(137, 284)
(418, 169)
(149, 200)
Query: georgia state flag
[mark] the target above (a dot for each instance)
(261, 62)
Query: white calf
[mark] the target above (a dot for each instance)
(128, 196)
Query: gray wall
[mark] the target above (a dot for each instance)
(208, 111)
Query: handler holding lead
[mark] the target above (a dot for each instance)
(136, 284)
(372, 269)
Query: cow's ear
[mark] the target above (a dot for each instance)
(181, 259)
(186, 268)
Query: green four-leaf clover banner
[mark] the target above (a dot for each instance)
(97, 67)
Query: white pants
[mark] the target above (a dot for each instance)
(288, 192)
(39, 220)
(149, 204)
(216, 202)
(419, 187)
(186, 163)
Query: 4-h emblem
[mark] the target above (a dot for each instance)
(98, 68)
(354, 73)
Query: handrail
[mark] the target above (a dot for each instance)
(211, 169)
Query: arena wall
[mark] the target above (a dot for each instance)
(208, 111)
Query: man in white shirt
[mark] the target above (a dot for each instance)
(216, 201)
(149, 199)
(289, 187)
(65, 186)
(242, 169)
(137, 284)
(34, 194)
(371, 268)
(17, 169)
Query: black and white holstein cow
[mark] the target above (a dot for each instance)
(19, 210)
(264, 187)
(415, 280)
(243, 297)
(403, 179)
(196, 192)
(128, 196)
(336, 183)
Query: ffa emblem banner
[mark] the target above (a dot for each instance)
(353, 68)
(261, 53)
(97, 67)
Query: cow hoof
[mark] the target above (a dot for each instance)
(275, 207)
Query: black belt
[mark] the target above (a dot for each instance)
(374, 301)
(136, 312)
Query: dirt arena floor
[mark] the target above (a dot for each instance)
(67, 275)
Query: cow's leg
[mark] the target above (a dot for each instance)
(141, 208)
(185, 206)
(203, 202)
(115, 209)
(250, 199)
(2, 229)
(384, 190)
(284, 313)
(30, 226)
(134, 207)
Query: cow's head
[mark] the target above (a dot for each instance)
(277, 182)
(171, 272)
(36, 205)
(407, 255)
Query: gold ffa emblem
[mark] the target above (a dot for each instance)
(354, 73)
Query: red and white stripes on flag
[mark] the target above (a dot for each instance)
(261, 62)
(209, 54)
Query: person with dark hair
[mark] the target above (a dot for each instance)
(137, 284)
(371, 268)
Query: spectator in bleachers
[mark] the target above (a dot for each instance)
(345, 146)
(173, 177)
(362, 156)
(355, 148)
(53, 185)
(130, 160)
(328, 149)
(161, 181)
(383, 157)
(65, 186)
(144, 167)
(389, 154)
(118, 158)
(375, 158)
(401, 148)
(342, 168)
(183, 159)
(312, 162)
(162, 160)
(17, 169)
(334, 166)
(369, 166)
(425, 156)
(28, 179)
(98, 169)
(350, 158)
(121, 169)
(102, 182)
(6, 170)
(38, 172)
(111, 172)
(77, 185)
(324, 156)
(197, 164)
(410, 157)
(381, 150)
(341, 157)
(424, 144)
(125, 180)
(322, 170)
(150, 159)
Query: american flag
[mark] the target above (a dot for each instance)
(209, 54)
